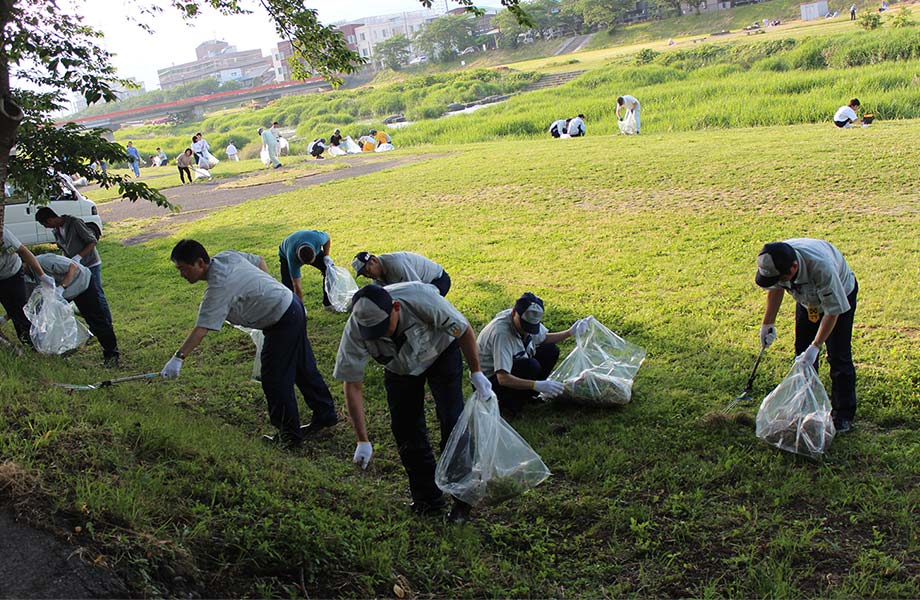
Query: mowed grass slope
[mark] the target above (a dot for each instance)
(656, 236)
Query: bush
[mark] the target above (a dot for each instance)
(870, 21)
(646, 55)
(902, 19)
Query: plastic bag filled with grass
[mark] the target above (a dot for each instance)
(796, 416)
(485, 461)
(600, 370)
(55, 329)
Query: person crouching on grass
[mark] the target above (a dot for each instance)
(240, 290)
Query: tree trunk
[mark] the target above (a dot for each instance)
(10, 113)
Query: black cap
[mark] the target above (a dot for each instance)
(360, 262)
(370, 308)
(775, 260)
(530, 310)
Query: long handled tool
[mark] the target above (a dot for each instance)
(107, 382)
(748, 389)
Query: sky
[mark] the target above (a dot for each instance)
(139, 54)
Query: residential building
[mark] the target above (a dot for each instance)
(364, 34)
(219, 60)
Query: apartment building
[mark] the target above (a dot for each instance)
(219, 60)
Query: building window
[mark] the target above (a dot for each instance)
(362, 37)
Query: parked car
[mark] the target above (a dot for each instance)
(418, 60)
(19, 213)
(467, 50)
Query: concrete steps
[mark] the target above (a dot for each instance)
(573, 44)
(552, 80)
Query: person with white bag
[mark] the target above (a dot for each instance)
(301, 248)
(13, 291)
(817, 275)
(418, 337)
(631, 110)
(518, 353)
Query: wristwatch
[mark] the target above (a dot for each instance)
(180, 354)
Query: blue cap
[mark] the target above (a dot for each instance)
(530, 310)
(371, 307)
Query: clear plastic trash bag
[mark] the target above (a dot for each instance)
(55, 329)
(485, 461)
(258, 338)
(266, 159)
(210, 158)
(340, 286)
(283, 146)
(202, 173)
(796, 415)
(628, 124)
(385, 147)
(350, 146)
(601, 368)
(336, 151)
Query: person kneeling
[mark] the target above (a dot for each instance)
(518, 353)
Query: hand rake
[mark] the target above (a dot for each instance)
(745, 395)
(107, 382)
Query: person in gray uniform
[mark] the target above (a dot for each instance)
(418, 337)
(518, 353)
(240, 290)
(75, 283)
(398, 267)
(13, 291)
(815, 273)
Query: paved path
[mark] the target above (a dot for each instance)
(202, 198)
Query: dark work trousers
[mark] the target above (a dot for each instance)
(99, 320)
(95, 284)
(317, 263)
(406, 398)
(839, 355)
(185, 172)
(287, 359)
(538, 368)
(13, 296)
(554, 132)
(442, 283)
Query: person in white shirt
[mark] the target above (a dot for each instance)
(270, 142)
(577, 126)
(846, 115)
(232, 152)
(559, 127)
(629, 103)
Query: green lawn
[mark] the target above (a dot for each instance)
(656, 236)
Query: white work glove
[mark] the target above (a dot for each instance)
(579, 327)
(47, 281)
(548, 388)
(60, 291)
(808, 357)
(767, 335)
(327, 260)
(363, 454)
(172, 368)
(481, 385)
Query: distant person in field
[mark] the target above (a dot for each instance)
(853, 12)
(846, 115)
(184, 162)
(824, 287)
(240, 290)
(197, 147)
(367, 142)
(629, 103)
(134, 159)
(162, 156)
(558, 127)
(399, 267)
(271, 145)
(577, 126)
(336, 138)
(232, 153)
(317, 147)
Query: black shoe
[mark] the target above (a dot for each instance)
(282, 441)
(314, 426)
(428, 507)
(111, 362)
(843, 425)
(460, 513)
(278, 166)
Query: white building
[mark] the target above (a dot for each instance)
(366, 33)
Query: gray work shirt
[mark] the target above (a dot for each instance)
(500, 344)
(242, 293)
(10, 263)
(824, 279)
(58, 266)
(407, 266)
(428, 324)
(73, 236)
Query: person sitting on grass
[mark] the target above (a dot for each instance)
(846, 115)
(577, 126)
(559, 127)
(367, 142)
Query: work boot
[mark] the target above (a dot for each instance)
(315, 426)
(460, 513)
(111, 362)
(282, 441)
(424, 508)
(843, 425)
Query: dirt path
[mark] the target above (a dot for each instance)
(202, 198)
(35, 564)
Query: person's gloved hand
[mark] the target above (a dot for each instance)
(172, 368)
(579, 327)
(548, 388)
(767, 335)
(60, 291)
(809, 356)
(327, 260)
(481, 384)
(46, 281)
(363, 454)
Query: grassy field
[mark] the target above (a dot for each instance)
(656, 236)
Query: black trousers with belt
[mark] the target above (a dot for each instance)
(839, 355)
(512, 401)
(13, 296)
(317, 263)
(287, 359)
(406, 398)
(99, 320)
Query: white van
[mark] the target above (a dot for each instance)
(19, 213)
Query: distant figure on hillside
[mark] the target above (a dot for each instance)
(134, 159)
(559, 127)
(629, 104)
(846, 115)
(232, 153)
(317, 147)
(577, 126)
(270, 145)
(853, 12)
(884, 6)
(163, 158)
(184, 162)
